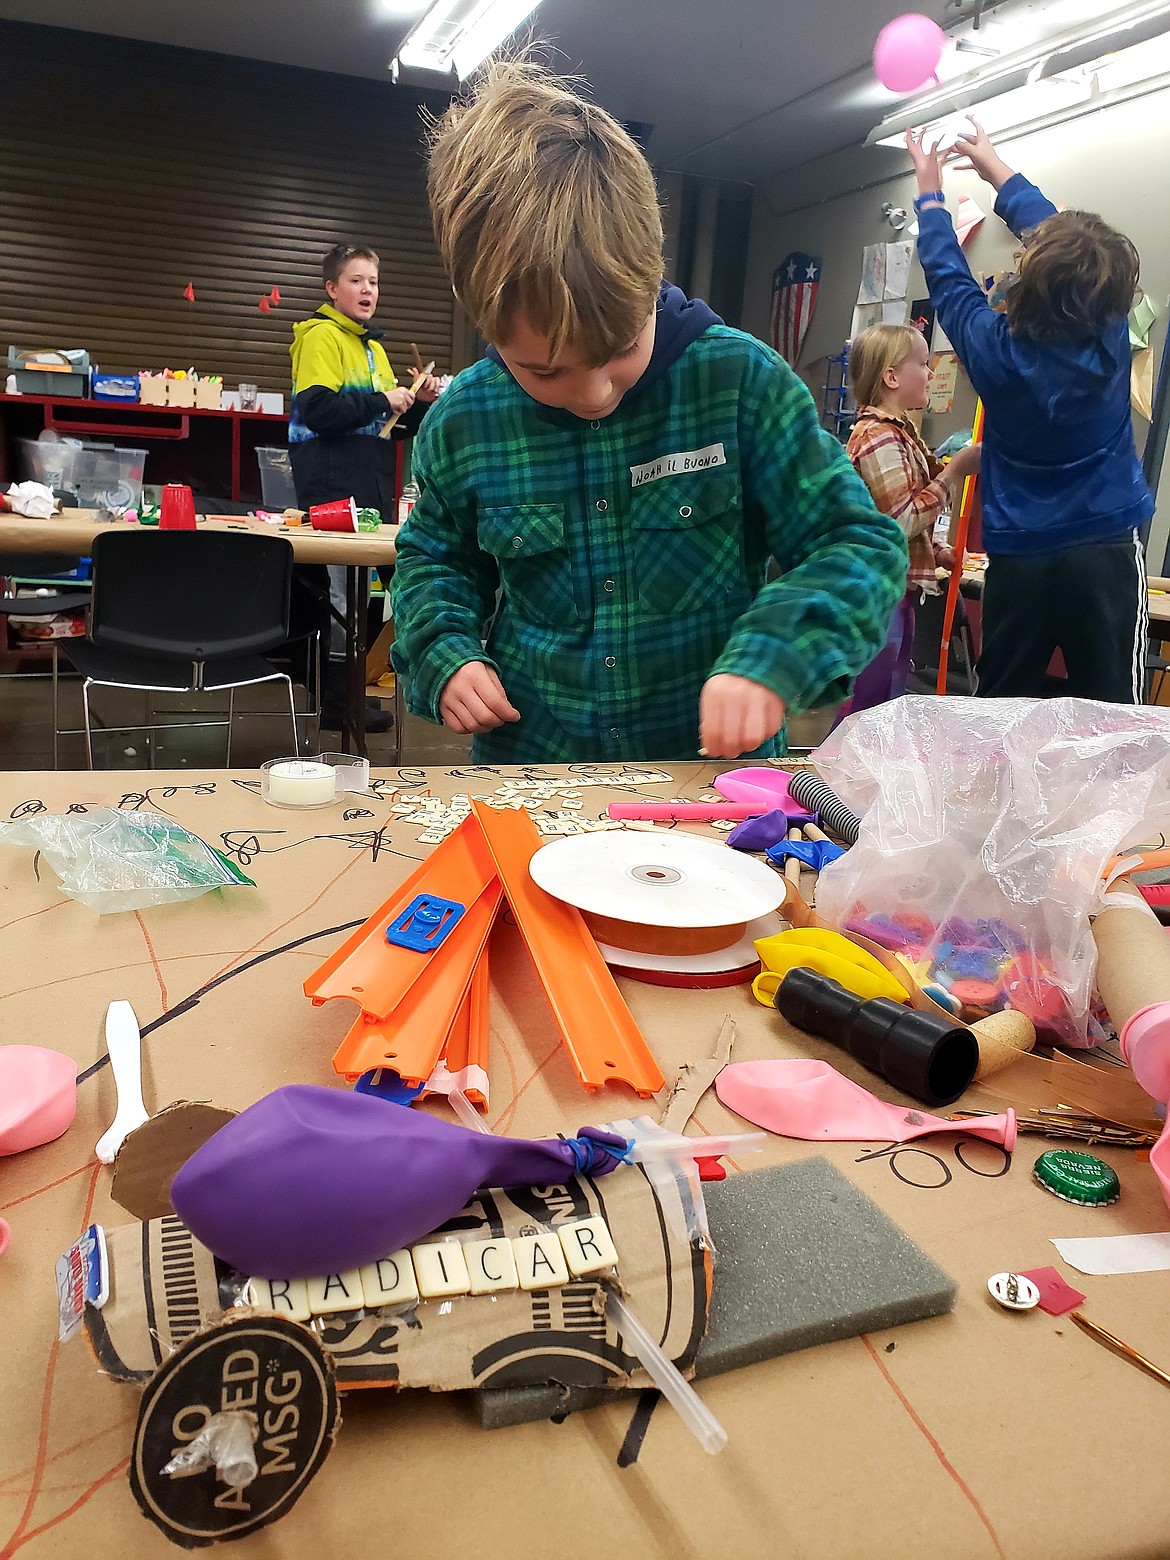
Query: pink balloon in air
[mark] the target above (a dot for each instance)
(907, 52)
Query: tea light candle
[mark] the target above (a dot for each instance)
(298, 782)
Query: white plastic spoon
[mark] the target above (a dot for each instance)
(123, 1043)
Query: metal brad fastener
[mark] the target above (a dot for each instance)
(1013, 1291)
(517, 541)
(602, 506)
(685, 512)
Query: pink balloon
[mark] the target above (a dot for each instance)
(907, 52)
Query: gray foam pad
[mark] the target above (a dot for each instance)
(802, 1257)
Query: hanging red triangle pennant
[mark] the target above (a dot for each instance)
(189, 292)
(264, 306)
(274, 297)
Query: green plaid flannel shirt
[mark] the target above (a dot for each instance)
(607, 569)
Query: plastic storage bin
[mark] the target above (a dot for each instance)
(58, 373)
(276, 479)
(87, 476)
(114, 387)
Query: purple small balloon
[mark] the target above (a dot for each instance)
(312, 1180)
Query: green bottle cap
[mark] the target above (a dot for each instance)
(1078, 1178)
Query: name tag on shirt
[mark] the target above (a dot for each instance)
(673, 465)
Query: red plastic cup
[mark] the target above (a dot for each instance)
(339, 515)
(177, 510)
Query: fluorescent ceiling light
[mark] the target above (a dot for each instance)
(458, 35)
(1048, 75)
(398, 10)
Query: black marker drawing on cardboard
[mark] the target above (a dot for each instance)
(892, 1152)
(27, 809)
(135, 801)
(190, 1003)
(244, 845)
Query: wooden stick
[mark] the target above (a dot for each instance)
(792, 866)
(1123, 1349)
(385, 431)
(811, 832)
(416, 359)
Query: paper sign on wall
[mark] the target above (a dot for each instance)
(873, 274)
(945, 381)
(897, 277)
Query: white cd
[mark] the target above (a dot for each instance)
(657, 880)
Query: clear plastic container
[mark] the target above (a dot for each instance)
(87, 475)
(276, 478)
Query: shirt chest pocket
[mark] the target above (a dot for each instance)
(688, 541)
(528, 543)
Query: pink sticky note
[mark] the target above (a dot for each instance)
(1056, 1297)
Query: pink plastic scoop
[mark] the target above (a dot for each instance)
(768, 788)
(802, 1098)
(38, 1096)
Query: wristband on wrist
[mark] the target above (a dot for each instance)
(930, 195)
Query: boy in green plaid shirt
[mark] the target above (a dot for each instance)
(583, 576)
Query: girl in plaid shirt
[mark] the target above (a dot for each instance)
(890, 369)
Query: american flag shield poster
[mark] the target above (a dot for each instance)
(795, 283)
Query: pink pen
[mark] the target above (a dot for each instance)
(695, 812)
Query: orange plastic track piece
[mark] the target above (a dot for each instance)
(377, 974)
(411, 1038)
(464, 1063)
(598, 1028)
(959, 548)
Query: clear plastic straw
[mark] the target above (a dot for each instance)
(695, 1414)
(467, 1113)
(672, 1146)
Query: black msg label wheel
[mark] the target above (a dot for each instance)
(255, 1363)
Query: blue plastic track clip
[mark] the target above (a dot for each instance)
(425, 924)
(385, 1084)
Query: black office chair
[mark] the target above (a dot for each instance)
(184, 612)
(64, 596)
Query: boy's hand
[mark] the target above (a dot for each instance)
(428, 390)
(474, 700)
(400, 400)
(981, 157)
(736, 715)
(929, 162)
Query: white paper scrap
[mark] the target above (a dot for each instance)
(1100, 1254)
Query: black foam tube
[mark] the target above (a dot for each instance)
(812, 792)
(919, 1053)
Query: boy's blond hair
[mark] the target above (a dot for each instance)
(542, 203)
(877, 348)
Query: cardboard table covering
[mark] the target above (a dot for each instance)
(976, 1434)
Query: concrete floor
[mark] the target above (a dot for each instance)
(262, 729)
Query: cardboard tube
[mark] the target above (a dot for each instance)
(1133, 955)
(1003, 1038)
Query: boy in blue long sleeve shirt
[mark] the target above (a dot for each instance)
(1062, 489)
